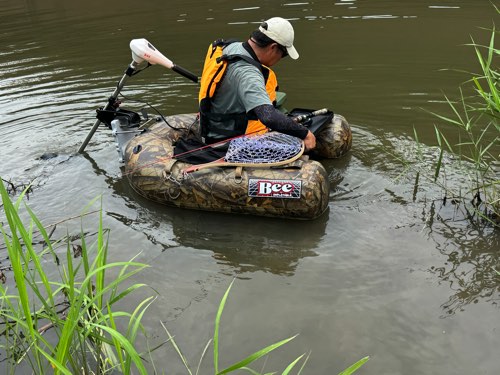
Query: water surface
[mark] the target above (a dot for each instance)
(388, 271)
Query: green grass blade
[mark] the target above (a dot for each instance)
(174, 344)
(251, 371)
(203, 356)
(116, 342)
(217, 326)
(353, 368)
(135, 324)
(56, 365)
(126, 292)
(292, 365)
(14, 250)
(127, 346)
(122, 271)
(101, 260)
(41, 229)
(446, 119)
(304, 364)
(253, 357)
(440, 159)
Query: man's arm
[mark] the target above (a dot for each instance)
(277, 121)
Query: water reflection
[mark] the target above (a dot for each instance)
(469, 244)
(250, 244)
(472, 257)
(245, 243)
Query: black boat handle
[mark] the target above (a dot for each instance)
(185, 73)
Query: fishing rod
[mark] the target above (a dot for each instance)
(304, 118)
(142, 51)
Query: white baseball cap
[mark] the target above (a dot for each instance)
(281, 31)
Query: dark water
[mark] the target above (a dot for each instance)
(387, 272)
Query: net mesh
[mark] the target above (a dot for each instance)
(270, 147)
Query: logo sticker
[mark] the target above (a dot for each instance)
(274, 188)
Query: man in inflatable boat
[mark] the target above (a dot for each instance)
(238, 87)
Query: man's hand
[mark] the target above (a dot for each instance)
(309, 141)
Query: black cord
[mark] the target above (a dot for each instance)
(153, 108)
(140, 70)
(190, 127)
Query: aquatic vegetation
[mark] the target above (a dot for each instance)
(475, 118)
(462, 216)
(13, 188)
(67, 325)
(71, 325)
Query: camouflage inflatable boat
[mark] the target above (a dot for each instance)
(296, 190)
(299, 189)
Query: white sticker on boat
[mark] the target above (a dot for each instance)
(274, 188)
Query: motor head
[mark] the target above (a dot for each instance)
(142, 51)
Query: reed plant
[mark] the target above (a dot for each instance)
(475, 117)
(70, 325)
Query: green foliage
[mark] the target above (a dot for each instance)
(66, 326)
(476, 119)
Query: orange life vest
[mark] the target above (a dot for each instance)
(214, 69)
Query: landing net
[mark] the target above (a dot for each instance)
(270, 147)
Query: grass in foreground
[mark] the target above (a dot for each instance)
(71, 326)
(67, 326)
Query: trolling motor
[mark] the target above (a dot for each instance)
(142, 51)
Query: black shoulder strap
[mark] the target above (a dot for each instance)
(250, 50)
(221, 43)
(233, 58)
(263, 69)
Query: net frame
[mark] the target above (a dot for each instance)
(280, 149)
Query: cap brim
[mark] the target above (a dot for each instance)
(292, 52)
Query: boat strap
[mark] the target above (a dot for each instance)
(174, 190)
(168, 169)
(238, 175)
(297, 164)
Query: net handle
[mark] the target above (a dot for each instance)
(222, 163)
